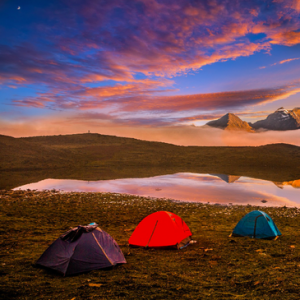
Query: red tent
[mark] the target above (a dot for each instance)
(161, 229)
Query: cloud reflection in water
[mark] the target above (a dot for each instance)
(217, 188)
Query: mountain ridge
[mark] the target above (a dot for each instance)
(230, 122)
(280, 120)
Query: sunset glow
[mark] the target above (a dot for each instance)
(150, 69)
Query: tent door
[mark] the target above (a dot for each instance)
(254, 233)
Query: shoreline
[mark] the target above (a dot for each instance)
(99, 157)
(132, 197)
(149, 198)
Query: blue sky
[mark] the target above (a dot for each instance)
(144, 66)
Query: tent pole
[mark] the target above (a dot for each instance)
(102, 249)
(151, 234)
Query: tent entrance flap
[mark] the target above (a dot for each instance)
(254, 232)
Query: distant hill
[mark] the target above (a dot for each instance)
(95, 157)
(230, 122)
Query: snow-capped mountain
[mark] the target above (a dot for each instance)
(281, 119)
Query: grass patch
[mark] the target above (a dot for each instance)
(216, 267)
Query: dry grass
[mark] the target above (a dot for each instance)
(216, 267)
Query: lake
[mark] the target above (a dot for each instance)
(189, 187)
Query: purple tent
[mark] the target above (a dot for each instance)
(82, 249)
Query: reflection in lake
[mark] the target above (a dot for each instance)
(214, 188)
(293, 183)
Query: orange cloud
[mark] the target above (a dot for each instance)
(287, 38)
(288, 60)
(132, 98)
(281, 62)
(143, 86)
(222, 100)
(116, 90)
(15, 78)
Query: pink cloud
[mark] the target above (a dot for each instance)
(153, 37)
(288, 60)
(211, 101)
(281, 62)
(136, 97)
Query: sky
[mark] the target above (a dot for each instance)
(149, 69)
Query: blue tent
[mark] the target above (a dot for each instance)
(256, 224)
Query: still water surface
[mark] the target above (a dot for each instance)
(212, 188)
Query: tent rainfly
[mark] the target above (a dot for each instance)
(161, 229)
(256, 224)
(82, 249)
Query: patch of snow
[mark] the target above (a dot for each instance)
(284, 116)
(282, 110)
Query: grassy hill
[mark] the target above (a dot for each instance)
(95, 157)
